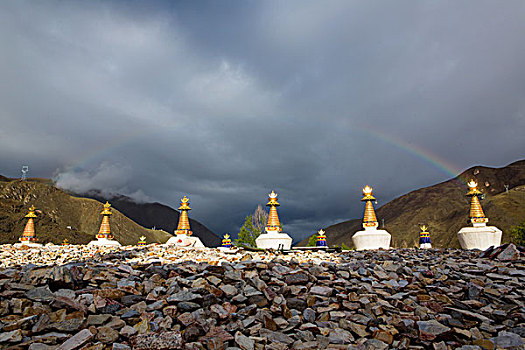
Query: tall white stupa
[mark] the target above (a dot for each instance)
(370, 237)
(479, 236)
(183, 234)
(273, 238)
(104, 236)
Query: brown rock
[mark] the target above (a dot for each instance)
(77, 340)
(107, 335)
(163, 340)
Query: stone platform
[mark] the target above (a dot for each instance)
(171, 298)
(274, 240)
(371, 239)
(481, 237)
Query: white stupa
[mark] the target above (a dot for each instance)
(273, 238)
(479, 236)
(104, 236)
(183, 235)
(370, 237)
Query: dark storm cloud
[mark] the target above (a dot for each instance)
(225, 101)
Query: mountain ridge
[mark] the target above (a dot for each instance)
(444, 208)
(155, 215)
(63, 215)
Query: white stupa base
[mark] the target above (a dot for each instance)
(104, 242)
(28, 244)
(274, 240)
(371, 239)
(425, 246)
(182, 240)
(480, 237)
(228, 250)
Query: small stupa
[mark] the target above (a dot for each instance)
(321, 239)
(227, 246)
(479, 236)
(183, 235)
(104, 236)
(142, 241)
(424, 238)
(226, 241)
(273, 238)
(28, 237)
(370, 237)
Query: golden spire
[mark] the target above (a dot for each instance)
(184, 223)
(65, 241)
(105, 228)
(29, 230)
(476, 212)
(107, 210)
(31, 213)
(273, 223)
(142, 241)
(369, 218)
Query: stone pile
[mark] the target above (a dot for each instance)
(164, 298)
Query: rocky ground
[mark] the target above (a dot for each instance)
(168, 298)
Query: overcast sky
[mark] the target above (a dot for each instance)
(224, 101)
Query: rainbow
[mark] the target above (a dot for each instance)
(451, 170)
(415, 150)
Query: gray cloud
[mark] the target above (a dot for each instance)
(226, 101)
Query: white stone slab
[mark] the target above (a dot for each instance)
(28, 244)
(371, 239)
(481, 237)
(104, 242)
(425, 246)
(274, 240)
(182, 240)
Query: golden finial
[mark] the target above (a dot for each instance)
(272, 199)
(31, 213)
(226, 236)
(184, 203)
(367, 193)
(142, 238)
(107, 210)
(473, 188)
(423, 228)
(321, 232)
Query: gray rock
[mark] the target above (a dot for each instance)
(183, 296)
(244, 342)
(11, 337)
(41, 294)
(97, 320)
(509, 253)
(508, 340)
(430, 330)
(77, 340)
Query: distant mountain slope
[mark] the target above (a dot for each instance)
(445, 208)
(157, 215)
(57, 211)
